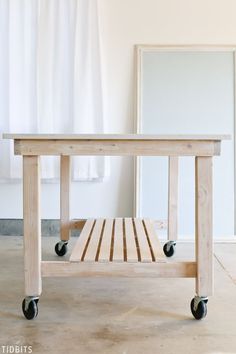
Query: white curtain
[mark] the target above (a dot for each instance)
(50, 80)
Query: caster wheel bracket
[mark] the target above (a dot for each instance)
(198, 307)
(28, 300)
(61, 248)
(61, 244)
(197, 300)
(169, 244)
(169, 248)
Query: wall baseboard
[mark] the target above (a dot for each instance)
(14, 227)
(51, 227)
(191, 239)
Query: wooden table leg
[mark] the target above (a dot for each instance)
(65, 198)
(173, 199)
(203, 218)
(32, 225)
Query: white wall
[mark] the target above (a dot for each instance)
(123, 24)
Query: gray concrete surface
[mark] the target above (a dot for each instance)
(14, 227)
(139, 316)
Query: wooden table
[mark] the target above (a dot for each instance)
(126, 247)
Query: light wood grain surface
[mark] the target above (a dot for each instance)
(114, 137)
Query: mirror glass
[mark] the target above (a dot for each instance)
(186, 92)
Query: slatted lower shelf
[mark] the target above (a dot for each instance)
(118, 240)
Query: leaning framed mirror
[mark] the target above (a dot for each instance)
(185, 90)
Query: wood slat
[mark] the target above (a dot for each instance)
(105, 248)
(118, 240)
(118, 246)
(144, 248)
(155, 243)
(78, 250)
(92, 249)
(131, 249)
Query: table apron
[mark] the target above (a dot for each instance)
(118, 147)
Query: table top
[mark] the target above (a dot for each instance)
(114, 137)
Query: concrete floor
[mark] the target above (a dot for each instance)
(122, 316)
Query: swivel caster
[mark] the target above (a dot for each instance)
(199, 307)
(169, 248)
(61, 248)
(30, 307)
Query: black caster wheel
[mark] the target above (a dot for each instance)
(30, 308)
(61, 248)
(199, 310)
(169, 248)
